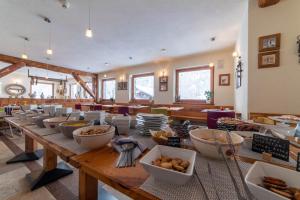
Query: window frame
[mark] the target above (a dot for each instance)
(211, 69)
(102, 87)
(38, 82)
(132, 86)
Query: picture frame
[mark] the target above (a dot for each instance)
(163, 83)
(163, 87)
(224, 79)
(122, 85)
(269, 42)
(269, 59)
(163, 79)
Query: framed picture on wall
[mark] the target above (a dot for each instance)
(224, 79)
(268, 59)
(269, 42)
(163, 83)
(163, 87)
(122, 85)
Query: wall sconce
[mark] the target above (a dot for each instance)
(122, 84)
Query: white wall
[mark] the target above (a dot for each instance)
(241, 93)
(224, 95)
(275, 90)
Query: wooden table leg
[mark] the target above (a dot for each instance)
(30, 144)
(51, 170)
(88, 186)
(31, 153)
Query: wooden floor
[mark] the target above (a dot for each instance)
(14, 186)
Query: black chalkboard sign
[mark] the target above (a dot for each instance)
(174, 141)
(279, 148)
(298, 162)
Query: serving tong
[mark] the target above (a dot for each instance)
(249, 195)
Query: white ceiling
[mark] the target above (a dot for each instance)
(121, 28)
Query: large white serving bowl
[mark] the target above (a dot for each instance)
(208, 147)
(94, 141)
(55, 121)
(168, 175)
(260, 169)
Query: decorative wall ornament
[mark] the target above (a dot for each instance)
(15, 90)
(238, 72)
(298, 42)
(269, 55)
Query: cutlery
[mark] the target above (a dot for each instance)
(204, 191)
(213, 181)
(249, 194)
(220, 151)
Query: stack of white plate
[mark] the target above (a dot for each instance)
(109, 116)
(122, 123)
(95, 115)
(147, 121)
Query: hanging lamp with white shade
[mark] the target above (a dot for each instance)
(89, 32)
(49, 51)
(24, 54)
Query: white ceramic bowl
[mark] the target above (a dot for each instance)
(54, 122)
(209, 148)
(260, 169)
(168, 175)
(94, 141)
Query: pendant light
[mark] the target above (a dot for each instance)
(49, 51)
(24, 55)
(88, 32)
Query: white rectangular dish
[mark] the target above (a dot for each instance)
(260, 169)
(168, 175)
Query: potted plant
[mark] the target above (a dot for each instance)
(208, 95)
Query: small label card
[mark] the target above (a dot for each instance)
(279, 148)
(174, 141)
(298, 162)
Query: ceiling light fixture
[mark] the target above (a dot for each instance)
(130, 58)
(49, 51)
(104, 76)
(88, 32)
(213, 39)
(106, 64)
(211, 64)
(163, 50)
(24, 55)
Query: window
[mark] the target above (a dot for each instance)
(192, 83)
(142, 86)
(85, 93)
(108, 89)
(75, 91)
(46, 88)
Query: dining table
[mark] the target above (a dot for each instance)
(94, 165)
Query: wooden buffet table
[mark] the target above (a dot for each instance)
(93, 165)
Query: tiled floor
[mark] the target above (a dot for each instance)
(14, 186)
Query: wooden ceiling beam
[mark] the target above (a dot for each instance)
(31, 63)
(84, 85)
(266, 3)
(11, 68)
